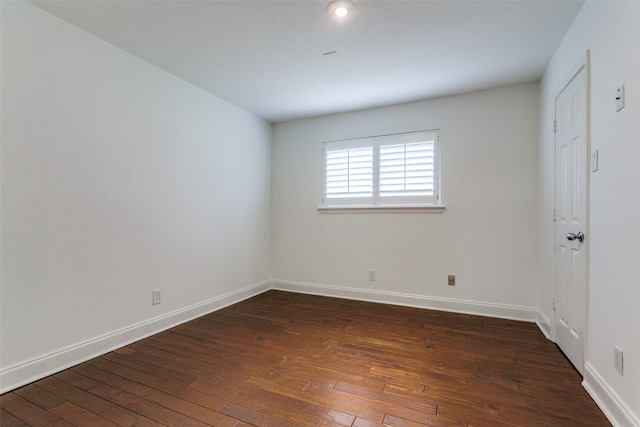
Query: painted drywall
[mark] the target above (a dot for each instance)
(117, 179)
(484, 236)
(611, 33)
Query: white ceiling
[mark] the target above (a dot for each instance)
(268, 56)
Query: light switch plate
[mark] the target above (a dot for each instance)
(156, 297)
(618, 360)
(620, 98)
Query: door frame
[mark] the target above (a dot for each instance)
(584, 63)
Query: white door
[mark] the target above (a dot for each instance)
(570, 216)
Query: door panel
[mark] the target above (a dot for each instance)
(571, 218)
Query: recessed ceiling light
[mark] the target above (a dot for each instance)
(341, 12)
(341, 8)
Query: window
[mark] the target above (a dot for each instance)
(389, 170)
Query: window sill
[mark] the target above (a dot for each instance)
(394, 209)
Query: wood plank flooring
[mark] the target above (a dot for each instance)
(286, 359)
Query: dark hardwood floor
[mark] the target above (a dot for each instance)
(285, 359)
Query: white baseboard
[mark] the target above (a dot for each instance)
(608, 401)
(24, 373)
(503, 311)
(35, 369)
(544, 324)
(27, 372)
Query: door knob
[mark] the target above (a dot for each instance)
(573, 236)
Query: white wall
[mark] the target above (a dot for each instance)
(117, 179)
(114, 183)
(484, 237)
(611, 32)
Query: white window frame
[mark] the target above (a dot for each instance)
(376, 202)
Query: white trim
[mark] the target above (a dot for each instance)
(374, 197)
(503, 311)
(428, 209)
(607, 400)
(35, 369)
(583, 64)
(544, 324)
(24, 373)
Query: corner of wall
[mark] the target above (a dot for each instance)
(35, 369)
(606, 398)
(544, 324)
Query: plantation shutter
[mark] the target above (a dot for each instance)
(407, 169)
(389, 170)
(349, 172)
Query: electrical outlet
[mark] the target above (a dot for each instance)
(157, 297)
(618, 361)
(372, 275)
(451, 280)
